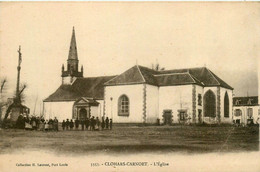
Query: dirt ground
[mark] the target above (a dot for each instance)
(134, 139)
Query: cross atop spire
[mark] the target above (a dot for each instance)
(73, 47)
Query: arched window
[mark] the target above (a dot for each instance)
(238, 112)
(123, 106)
(199, 100)
(209, 102)
(226, 105)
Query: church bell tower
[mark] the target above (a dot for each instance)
(72, 72)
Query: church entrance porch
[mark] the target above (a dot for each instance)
(83, 114)
(82, 108)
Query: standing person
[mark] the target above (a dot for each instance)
(77, 124)
(46, 125)
(97, 123)
(87, 122)
(27, 123)
(103, 123)
(71, 124)
(92, 123)
(56, 124)
(24, 121)
(19, 122)
(82, 122)
(67, 124)
(37, 123)
(33, 123)
(110, 123)
(107, 122)
(50, 124)
(63, 125)
(41, 125)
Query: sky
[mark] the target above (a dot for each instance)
(114, 36)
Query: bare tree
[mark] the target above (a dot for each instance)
(21, 93)
(2, 102)
(21, 96)
(157, 67)
(2, 85)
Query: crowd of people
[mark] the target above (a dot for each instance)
(87, 124)
(39, 123)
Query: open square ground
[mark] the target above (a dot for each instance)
(134, 139)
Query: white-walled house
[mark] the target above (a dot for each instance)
(246, 110)
(141, 95)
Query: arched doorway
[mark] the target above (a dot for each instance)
(82, 114)
(226, 106)
(209, 107)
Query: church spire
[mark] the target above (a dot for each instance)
(73, 55)
(72, 71)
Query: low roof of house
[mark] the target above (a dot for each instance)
(140, 74)
(82, 87)
(245, 101)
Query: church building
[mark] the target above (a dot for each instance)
(77, 97)
(141, 95)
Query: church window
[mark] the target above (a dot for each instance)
(226, 105)
(123, 106)
(250, 112)
(238, 112)
(199, 100)
(209, 102)
(182, 115)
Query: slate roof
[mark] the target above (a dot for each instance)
(140, 74)
(245, 101)
(92, 87)
(176, 79)
(204, 75)
(131, 76)
(73, 54)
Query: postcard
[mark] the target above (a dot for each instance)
(129, 86)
